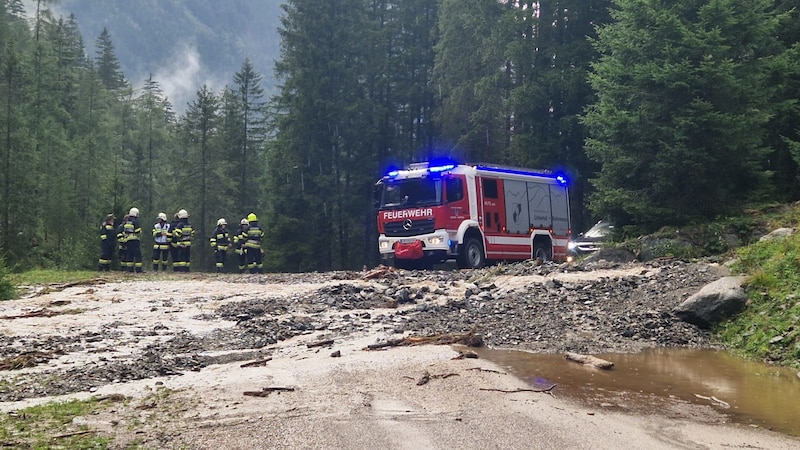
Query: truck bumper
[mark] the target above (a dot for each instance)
(436, 245)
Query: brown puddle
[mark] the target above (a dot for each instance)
(666, 381)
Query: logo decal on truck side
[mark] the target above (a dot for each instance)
(408, 214)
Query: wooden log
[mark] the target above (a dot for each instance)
(258, 363)
(589, 360)
(268, 390)
(324, 343)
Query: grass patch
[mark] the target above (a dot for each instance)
(769, 329)
(51, 426)
(51, 276)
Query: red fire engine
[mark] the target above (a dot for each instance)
(429, 213)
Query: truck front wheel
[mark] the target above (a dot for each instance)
(471, 255)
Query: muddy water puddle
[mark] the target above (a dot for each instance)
(706, 385)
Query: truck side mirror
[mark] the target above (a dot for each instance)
(377, 190)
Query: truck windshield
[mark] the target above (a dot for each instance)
(411, 192)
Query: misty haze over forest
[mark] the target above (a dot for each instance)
(183, 44)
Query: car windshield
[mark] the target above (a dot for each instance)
(411, 192)
(600, 229)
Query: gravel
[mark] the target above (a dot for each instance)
(591, 307)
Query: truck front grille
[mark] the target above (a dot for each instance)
(398, 229)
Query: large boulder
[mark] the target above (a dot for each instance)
(714, 302)
(780, 233)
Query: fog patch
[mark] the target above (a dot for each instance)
(185, 76)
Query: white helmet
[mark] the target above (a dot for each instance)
(162, 216)
(244, 222)
(221, 222)
(182, 214)
(134, 212)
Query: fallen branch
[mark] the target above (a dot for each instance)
(470, 339)
(44, 312)
(512, 391)
(426, 377)
(589, 360)
(74, 433)
(267, 390)
(27, 359)
(60, 287)
(258, 363)
(379, 272)
(481, 369)
(718, 402)
(467, 354)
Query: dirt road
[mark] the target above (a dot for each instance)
(205, 361)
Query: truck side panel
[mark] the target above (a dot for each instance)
(516, 207)
(539, 205)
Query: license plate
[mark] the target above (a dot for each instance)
(407, 241)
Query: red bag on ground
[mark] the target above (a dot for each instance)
(411, 250)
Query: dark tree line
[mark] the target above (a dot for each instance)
(660, 112)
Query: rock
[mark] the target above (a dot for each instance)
(714, 302)
(780, 233)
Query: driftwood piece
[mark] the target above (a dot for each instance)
(470, 339)
(512, 391)
(589, 360)
(258, 363)
(268, 390)
(324, 343)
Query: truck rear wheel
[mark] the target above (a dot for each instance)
(471, 255)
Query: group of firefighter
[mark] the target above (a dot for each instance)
(174, 240)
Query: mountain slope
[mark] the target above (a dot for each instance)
(183, 44)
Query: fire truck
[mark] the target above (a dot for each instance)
(432, 212)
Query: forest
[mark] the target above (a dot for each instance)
(660, 112)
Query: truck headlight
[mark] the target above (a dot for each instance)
(435, 240)
(384, 245)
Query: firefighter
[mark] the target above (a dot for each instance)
(253, 245)
(219, 242)
(107, 242)
(122, 247)
(182, 236)
(161, 244)
(133, 232)
(239, 239)
(173, 244)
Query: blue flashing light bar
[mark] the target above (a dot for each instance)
(560, 178)
(444, 168)
(393, 173)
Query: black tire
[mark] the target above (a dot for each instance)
(541, 252)
(471, 255)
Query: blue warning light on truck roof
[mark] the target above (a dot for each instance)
(439, 168)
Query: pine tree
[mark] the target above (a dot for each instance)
(679, 120)
(108, 67)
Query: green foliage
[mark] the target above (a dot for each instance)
(681, 109)
(769, 328)
(7, 289)
(38, 426)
